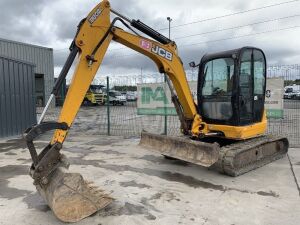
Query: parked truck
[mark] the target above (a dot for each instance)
(94, 96)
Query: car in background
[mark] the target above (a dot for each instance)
(297, 95)
(116, 98)
(131, 96)
(291, 92)
(292, 95)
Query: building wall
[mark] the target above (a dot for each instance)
(41, 57)
(17, 96)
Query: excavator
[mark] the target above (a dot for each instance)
(225, 128)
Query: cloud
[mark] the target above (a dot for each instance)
(54, 23)
(17, 18)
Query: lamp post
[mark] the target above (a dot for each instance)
(166, 117)
(170, 20)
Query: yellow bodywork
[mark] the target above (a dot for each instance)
(88, 38)
(241, 132)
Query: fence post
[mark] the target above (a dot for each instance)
(108, 109)
(166, 117)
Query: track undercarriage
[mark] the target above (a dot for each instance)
(229, 157)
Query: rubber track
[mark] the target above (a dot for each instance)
(226, 163)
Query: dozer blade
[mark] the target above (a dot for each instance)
(201, 153)
(70, 197)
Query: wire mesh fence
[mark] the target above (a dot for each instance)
(289, 125)
(125, 121)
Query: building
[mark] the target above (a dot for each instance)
(40, 57)
(26, 81)
(17, 96)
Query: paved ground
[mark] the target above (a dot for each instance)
(152, 190)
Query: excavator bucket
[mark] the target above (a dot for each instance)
(201, 153)
(70, 197)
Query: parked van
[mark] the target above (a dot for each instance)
(292, 92)
(116, 98)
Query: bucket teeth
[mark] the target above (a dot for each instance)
(97, 192)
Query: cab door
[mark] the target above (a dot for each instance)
(252, 80)
(259, 83)
(245, 99)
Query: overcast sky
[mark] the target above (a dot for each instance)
(53, 24)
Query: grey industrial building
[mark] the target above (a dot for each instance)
(26, 81)
(41, 57)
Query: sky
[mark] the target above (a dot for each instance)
(53, 24)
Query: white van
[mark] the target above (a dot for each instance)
(291, 92)
(116, 98)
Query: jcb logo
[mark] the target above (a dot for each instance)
(158, 95)
(162, 52)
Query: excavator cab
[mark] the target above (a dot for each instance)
(231, 87)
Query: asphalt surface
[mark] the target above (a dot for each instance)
(150, 189)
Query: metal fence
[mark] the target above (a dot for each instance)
(290, 124)
(124, 121)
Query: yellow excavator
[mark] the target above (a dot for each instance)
(225, 129)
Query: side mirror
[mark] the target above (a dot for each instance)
(192, 64)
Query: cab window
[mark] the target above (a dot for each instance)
(259, 71)
(218, 75)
